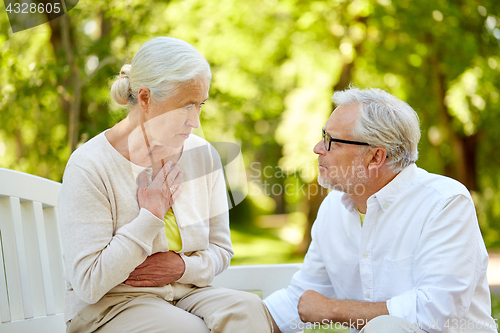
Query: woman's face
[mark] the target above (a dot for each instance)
(170, 122)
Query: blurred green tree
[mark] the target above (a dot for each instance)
(275, 66)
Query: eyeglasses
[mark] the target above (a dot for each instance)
(327, 141)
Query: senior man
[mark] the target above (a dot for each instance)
(394, 248)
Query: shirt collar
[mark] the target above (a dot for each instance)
(390, 192)
(348, 203)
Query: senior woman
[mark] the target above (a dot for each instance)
(144, 214)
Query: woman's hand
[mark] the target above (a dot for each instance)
(158, 269)
(157, 197)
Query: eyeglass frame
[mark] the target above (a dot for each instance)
(349, 142)
(330, 140)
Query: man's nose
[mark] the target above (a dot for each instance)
(319, 148)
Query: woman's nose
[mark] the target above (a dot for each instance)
(194, 118)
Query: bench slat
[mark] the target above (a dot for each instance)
(21, 257)
(28, 214)
(44, 258)
(55, 255)
(4, 299)
(49, 324)
(10, 261)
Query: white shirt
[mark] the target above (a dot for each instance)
(420, 250)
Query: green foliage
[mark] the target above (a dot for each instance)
(495, 307)
(275, 65)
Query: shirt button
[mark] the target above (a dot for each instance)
(365, 255)
(367, 295)
(385, 206)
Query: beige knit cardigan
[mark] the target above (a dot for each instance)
(105, 235)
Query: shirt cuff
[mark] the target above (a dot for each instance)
(284, 312)
(404, 306)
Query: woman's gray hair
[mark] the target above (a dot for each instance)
(163, 65)
(384, 121)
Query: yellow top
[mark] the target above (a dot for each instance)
(361, 216)
(172, 231)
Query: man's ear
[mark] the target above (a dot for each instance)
(378, 158)
(144, 98)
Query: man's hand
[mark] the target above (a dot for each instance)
(314, 307)
(158, 269)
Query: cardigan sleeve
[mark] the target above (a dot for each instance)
(97, 258)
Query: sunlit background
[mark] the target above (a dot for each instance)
(275, 66)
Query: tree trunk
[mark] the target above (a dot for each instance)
(463, 166)
(466, 147)
(70, 86)
(315, 199)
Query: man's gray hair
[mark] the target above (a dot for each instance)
(384, 121)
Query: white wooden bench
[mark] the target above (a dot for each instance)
(31, 269)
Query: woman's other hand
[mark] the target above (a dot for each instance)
(158, 269)
(156, 197)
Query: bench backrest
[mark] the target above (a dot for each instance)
(263, 279)
(31, 268)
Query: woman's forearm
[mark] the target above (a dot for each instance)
(96, 257)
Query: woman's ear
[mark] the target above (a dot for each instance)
(144, 98)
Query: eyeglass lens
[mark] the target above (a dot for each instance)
(325, 140)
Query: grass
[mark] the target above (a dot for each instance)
(259, 249)
(255, 246)
(495, 307)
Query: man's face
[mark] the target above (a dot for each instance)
(342, 168)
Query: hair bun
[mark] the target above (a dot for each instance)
(124, 72)
(120, 91)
